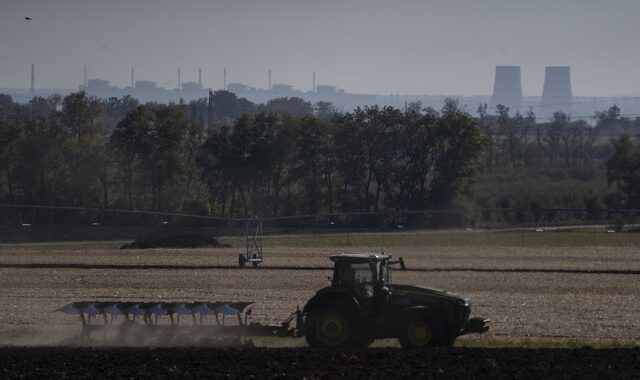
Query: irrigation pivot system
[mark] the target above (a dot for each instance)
(360, 305)
(254, 242)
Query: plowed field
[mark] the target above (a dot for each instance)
(585, 294)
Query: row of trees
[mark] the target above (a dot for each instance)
(522, 141)
(57, 151)
(227, 156)
(369, 160)
(560, 163)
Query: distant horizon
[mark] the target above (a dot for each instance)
(122, 86)
(580, 107)
(170, 81)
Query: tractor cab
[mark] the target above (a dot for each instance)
(363, 274)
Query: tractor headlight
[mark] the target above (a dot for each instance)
(464, 309)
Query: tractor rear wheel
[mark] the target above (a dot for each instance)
(333, 326)
(419, 330)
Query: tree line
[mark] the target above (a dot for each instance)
(287, 158)
(556, 163)
(229, 157)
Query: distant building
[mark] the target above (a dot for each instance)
(323, 89)
(237, 88)
(507, 87)
(100, 88)
(98, 85)
(191, 86)
(145, 85)
(282, 88)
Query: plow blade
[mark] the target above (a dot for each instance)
(154, 308)
(161, 320)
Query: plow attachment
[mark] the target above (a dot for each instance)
(168, 321)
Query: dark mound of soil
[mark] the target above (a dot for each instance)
(177, 241)
(269, 363)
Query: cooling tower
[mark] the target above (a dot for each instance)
(507, 89)
(556, 94)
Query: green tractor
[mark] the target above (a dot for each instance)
(362, 305)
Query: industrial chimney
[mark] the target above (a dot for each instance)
(200, 78)
(507, 87)
(556, 93)
(33, 78)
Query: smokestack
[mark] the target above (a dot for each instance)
(85, 77)
(313, 89)
(200, 78)
(33, 78)
(179, 83)
(269, 80)
(132, 82)
(210, 111)
(556, 93)
(507, 87)
(224, 83)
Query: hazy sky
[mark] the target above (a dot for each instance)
(402, 46)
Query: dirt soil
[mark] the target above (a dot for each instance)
(453, 363)
(586, 294)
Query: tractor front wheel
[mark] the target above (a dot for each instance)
(419, 330)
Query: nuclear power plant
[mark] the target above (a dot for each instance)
(507, 87)
(556, 96)
(556, 93)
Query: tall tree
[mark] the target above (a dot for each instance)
(623, 170)
(131, 142)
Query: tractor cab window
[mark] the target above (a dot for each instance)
(359, 277)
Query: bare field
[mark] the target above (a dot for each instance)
(550, 294)
(296, 363)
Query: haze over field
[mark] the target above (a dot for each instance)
(379, 47)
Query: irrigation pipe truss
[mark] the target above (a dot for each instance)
(321, 215)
